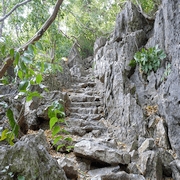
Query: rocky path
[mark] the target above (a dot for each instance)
(86, 109)
(97, 154)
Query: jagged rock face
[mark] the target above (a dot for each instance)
(166, 34)
(127, 95)
(112, 72)
(125, 92)
(29, 158)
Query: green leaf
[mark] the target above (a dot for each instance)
(61, 120)
(10, 138)
(26, 59)
(56, 129)
(39, 45)
(162, 56)
(12, 53)
(12, 122)
(57, 139)
(52, 122)
(31, 49)
(21, 177)
(4, 134)
(31, 95)
(39, 78)
(23, 85)
(3, 49)
(23, 67)
(60, 146)
(69, 148)
(17, 57)
(68, 139)
(51, 112)
(20, 74)
(132, 63)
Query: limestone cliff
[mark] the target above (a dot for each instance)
(138, 108)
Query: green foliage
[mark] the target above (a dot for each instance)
(30, 69)
(148, 59)
(13, 124)
(57, 115)
(87, 20)
(148, 6)
(9, 135)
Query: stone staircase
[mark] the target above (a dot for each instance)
(86, 106)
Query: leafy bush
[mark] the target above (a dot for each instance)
(28, 72)
(148, 59)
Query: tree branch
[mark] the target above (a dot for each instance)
(13, 9)
(9, 61)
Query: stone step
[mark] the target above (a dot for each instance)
(90, 92)
(84, 98)
(86, 116)
(83, 79)
(93, 110)
(86, 104)
(84, 85)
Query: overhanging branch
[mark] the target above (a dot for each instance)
(13, 9)
(9, 61)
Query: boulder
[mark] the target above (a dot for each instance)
(101, 152)
(30, 159)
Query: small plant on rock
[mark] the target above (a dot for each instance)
(148, 59)
(9, 135)
(56, 114)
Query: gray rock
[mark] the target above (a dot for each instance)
(175, 166)
(103, 171)
(112, 71)
(59, 80)
(133, 168)
(129, 20)
(38, 108)
(29, 158)
(166, 159)
(74, 56)
(88, 62)
(150, 165)
(69, 166)
(148, 144)
(100, 152)
(166, 34)
(161, 134)
(100, 42)
(120, 175)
